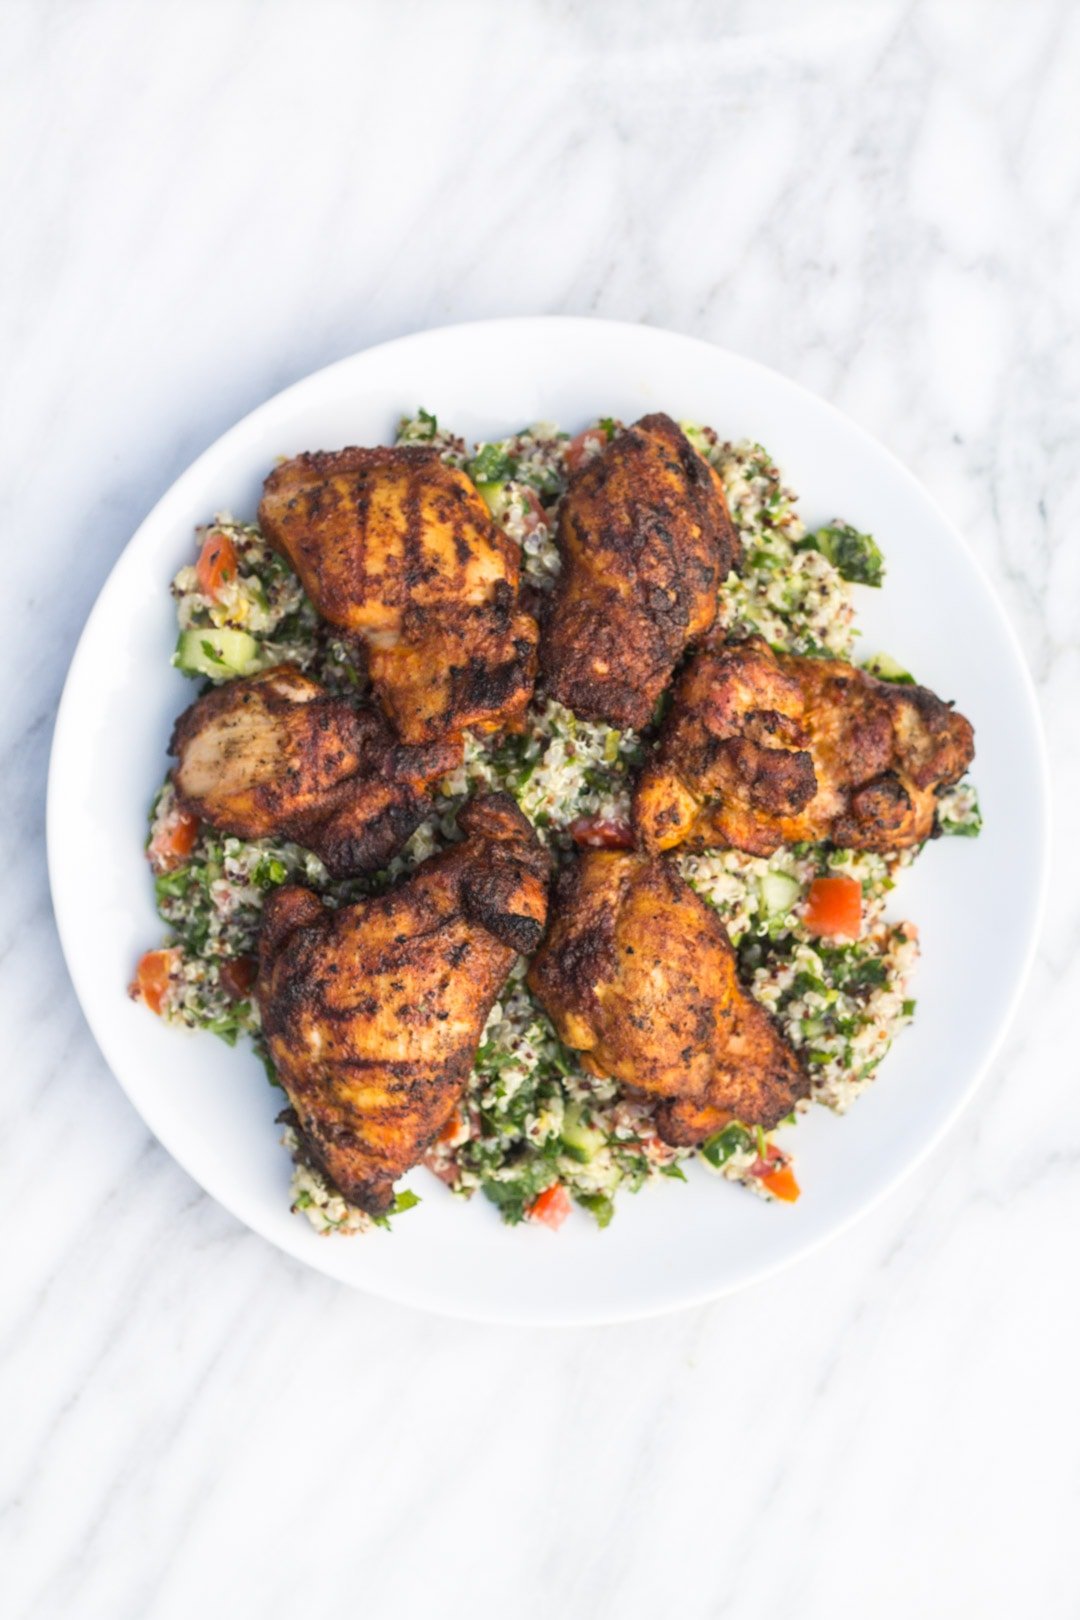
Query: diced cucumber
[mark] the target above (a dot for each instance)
(220, 654)
(734, 1138)
(778, 893)
(492, 495)
(887, 669)
(582, 1142)
(692, 431)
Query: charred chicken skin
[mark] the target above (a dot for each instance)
(373, 1012)
(646, 540)
(761, 749)
(399, 549)
(274, 755)
(638, 975)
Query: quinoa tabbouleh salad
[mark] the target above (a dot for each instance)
(535, 1133)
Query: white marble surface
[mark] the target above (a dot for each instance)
(203, 202)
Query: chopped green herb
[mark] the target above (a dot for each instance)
(491, 466)
(270, 872)
(966, 825)
(172, 885)
(855, 556)
(599, 1206)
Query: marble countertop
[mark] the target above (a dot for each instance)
(205, 202)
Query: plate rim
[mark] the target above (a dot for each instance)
(1007, 1012)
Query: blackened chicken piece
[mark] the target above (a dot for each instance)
(638, 975)
(275, 756)
(646, 540)
(399, 549)
(761, 749)
(373, 1012)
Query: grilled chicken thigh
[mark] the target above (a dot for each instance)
(274, 755)
(638, 975)
(373, 1012)
(761, 749)
(400, 549)
(646, 540)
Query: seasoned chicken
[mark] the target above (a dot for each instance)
(274, 755)
(373, 1012)
(638, 975)
(399, 549)
(645, 539)
(761, 749)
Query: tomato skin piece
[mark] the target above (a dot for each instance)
(593, 832)
(173, 842)
(834, 907)
(151, 982)
(237, 976)
(581, 444)
(551, 1208)
(774, 1171)
(216, 564)
(535, 516)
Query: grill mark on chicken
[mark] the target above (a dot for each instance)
(374, 1078)
(399, 549)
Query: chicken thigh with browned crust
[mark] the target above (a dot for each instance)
(373, 1012)
(399, 549)
(274, 755)
(761, 749)
(646, 540)
(638, 975)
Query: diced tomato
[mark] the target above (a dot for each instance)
(152, 979)
(216, 564)
(237, 976)
(584, 446)
(782, 1184)
(834, 906)
(773, 1170)
(552, 1207)
(173, 841)
(594, 832)
(769, 1160)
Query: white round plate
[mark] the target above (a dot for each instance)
(672, 1245)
